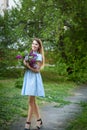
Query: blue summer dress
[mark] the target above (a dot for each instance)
(33, 84)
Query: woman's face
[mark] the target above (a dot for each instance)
(35, 46)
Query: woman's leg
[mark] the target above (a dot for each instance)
(30, 111)
(37, 113)
(33, 109)
(36, 109)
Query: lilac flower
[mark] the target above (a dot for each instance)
(31, 58)
(19, 57)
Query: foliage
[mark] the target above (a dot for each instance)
(73, 41)
(9, 63)
(11, 73)
(60, 24)
(61, 68)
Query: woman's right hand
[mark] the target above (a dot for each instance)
(25, 63)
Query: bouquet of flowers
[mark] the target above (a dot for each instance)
(31, 59)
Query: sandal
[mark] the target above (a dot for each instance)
(40, 125)
(28, 125)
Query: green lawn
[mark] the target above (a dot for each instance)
(13, 105)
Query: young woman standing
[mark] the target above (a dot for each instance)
(32, 84)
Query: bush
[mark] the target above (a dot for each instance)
(61, 68)
(79, 77)
(79, 70)
(12, 73)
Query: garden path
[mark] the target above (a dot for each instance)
(55, 118)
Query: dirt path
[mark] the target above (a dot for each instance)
(58, 118)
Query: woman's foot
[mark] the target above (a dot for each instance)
(39, 124)
(27, 126)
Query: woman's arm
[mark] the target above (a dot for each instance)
(31, 68)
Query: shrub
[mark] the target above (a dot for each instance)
(12, 73)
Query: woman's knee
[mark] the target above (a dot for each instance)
(31, 100)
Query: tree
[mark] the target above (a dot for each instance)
(60, 24)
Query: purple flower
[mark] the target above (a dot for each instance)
(31, 58)
(18, 57)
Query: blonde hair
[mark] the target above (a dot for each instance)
(40, 50)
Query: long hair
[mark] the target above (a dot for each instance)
(40, 50)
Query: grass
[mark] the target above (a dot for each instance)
(13, 105)
(80, 122)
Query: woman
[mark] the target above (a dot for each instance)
(32, 85)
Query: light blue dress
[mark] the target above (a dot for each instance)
(33, 84)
